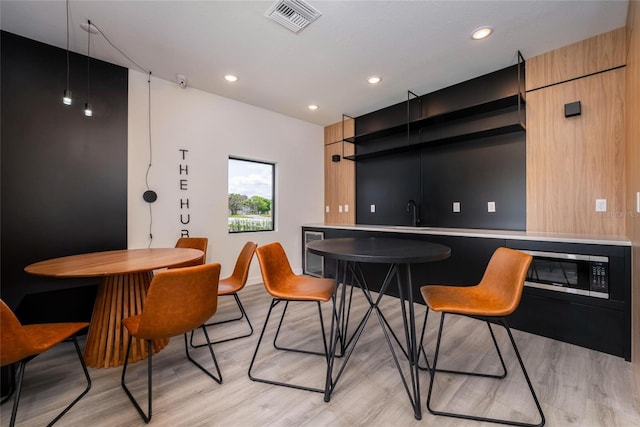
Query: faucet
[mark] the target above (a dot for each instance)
(416, 216)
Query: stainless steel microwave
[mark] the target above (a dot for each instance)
(579, 274)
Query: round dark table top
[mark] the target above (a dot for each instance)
(381, 250)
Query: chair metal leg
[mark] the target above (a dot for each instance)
(218, 378)
(144, 416)
(12, 383)
(297, 350)
(85, 391)
(448, 371)
(275, 302)
(243, 315)
(421, 350)
(434, 370)
(20, 376)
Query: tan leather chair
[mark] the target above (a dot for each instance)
(177, 302)
(193, 243)
(283, 285)
(495, 297)
(21, 343)
(231, 286)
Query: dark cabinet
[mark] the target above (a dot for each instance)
(595, 323)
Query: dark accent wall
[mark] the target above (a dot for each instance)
(474, 173)
(471, 172)
(64, 176)
(465, 143)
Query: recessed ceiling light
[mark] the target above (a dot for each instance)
(231, 78)
(312, 107)
(481, 33)
(374, 80)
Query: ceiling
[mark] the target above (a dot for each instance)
(420, 46)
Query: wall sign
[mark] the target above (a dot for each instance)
(183, 184)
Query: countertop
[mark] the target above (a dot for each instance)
(490, 234)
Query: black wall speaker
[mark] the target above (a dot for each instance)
(150, 196)
(572, 109)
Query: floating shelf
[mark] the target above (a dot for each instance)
(489, 105)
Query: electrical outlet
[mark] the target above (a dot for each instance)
(638, 202)
(601, 205)
(456, 206)
(373, 208)
(491, 206)
(340, 208)
(326, 209)
(346, 208)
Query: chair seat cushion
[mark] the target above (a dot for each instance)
(40, 338)
(469, 300)
(303, 288)
(229, 285)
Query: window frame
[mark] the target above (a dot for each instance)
(273, 193)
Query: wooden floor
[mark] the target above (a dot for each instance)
(576, 386)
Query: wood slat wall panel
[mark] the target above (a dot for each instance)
(573, 161)
(595, 54)
(633, 172)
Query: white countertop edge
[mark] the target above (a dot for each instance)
(491, 234)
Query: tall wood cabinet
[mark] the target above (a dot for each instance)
(339, 174)
(572, 161)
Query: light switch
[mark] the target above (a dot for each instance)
(638, 202)
(491, 206)
(456, 206)
(601, 205)
(346, 208)
(340, 208)
(326, 209)
(373, 208)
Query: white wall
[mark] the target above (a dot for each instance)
(213, 128)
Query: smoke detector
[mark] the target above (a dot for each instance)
(182, 80)
(294, 15)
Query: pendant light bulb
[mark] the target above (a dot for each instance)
(87, 106)
(66, 98)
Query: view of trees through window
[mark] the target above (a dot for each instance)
(250, 195)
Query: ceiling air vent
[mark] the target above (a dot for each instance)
(294, 15)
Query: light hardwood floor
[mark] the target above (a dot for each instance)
(576, 386)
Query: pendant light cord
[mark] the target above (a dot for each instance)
(67, 44)
(119, 50)
(93, 25)
(88, 56)
(146, 178)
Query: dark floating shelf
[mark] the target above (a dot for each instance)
(489, 105)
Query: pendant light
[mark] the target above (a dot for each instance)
(87, 106)
(66, 97)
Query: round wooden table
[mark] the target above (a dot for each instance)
(126, 275)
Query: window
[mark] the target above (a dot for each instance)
(251, 188)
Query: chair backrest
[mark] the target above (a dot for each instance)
(193, 243)
(241, 269)
(179, 300)
(274, 266)
(12, 337)
(504, 277)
